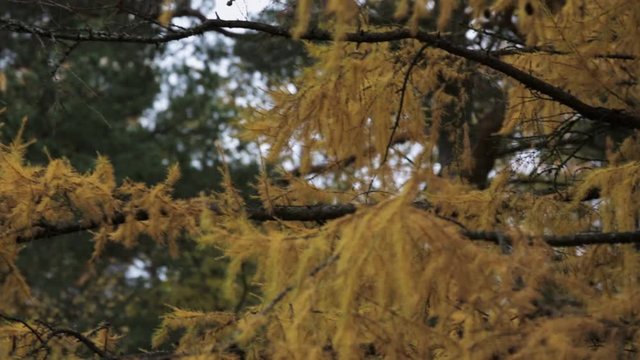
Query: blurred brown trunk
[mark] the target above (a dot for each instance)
(483, 123)
(489, 121)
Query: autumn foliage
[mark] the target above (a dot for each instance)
(413, 257)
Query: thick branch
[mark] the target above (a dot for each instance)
(544, 51)
(285, 213)
(616, 117)
(45, 231)
(564, 241)
(302, 213)
(329, 212)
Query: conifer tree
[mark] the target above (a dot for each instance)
(444, 179)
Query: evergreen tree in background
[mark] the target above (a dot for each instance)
(85, 99)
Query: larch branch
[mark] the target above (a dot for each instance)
(330, 212)
(302, 213)
(84, 340)
(580, 239)
(284, 213)
(616, 117)
(25, 324)
(56, 332)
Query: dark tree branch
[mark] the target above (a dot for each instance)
(329, 212)
(563, 241)
(403, 90)
(54, 332)
(25, 324)
(417, 57)
(324, 167)
(45, 231)
(302, 213)
(284, 213)
(518, 48)
(83, 339)
(281, 295)
(538, 50)
(616, 117)
(342, 163)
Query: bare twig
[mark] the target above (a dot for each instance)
(396, 123)
(63, 58)
(83, 339)
(25, 324)
(342, 163)
(57, 332)
(405, 82)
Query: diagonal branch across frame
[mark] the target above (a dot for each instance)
(615, 117)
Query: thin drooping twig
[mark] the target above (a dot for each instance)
(343, 163)
(83, 339)
(543, 51)
(518, 48)
(281, 295)
(403, 90)
(63, 58)
(615, 117)
(285, 291)
(57, 332)
(396, 122)
(25, 324)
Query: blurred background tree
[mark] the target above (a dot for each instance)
(119, 101)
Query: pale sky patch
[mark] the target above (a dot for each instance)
(239, 10)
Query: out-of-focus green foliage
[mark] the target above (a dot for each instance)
(115, 100)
